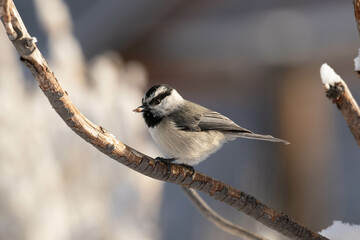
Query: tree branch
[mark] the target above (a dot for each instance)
(337, 90)
(219, 221)
(109, 145)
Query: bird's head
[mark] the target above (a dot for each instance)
(160, 100)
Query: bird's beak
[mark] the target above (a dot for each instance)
(139, 109)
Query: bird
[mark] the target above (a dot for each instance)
(188, 132)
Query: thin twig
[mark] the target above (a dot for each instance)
(109, 145)
(219, 221)
(357, 13)
(337, 90)
(357, 18)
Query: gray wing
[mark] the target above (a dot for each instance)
(193, 117)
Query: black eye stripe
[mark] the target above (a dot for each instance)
(159, 97)
(152, 90)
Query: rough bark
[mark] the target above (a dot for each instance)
(109, 145)
(340, 94)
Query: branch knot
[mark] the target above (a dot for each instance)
(335, 91)
(25, 46)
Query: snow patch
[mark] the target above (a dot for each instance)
(34, 39)
(357, 62)
(342, 231)
(329, 76)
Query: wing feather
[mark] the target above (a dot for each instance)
(193, 117)
(215, 121)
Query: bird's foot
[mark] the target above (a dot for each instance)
(188, 167)
(166, 160)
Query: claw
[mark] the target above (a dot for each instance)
(167, 160)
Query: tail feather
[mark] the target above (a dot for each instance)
(262, 137)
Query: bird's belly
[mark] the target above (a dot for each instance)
(186, 147)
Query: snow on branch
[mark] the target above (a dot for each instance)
(329, 76)
(357, 63)
(357, 18)
(109, 145)
(337, 90)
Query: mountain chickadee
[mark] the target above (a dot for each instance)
(186, 131)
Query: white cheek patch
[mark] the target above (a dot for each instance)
(167, 104)
(171, 102)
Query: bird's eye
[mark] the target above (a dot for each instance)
(157, 101)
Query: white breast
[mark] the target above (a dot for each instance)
(187, 147)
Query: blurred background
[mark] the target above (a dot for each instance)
(257, 63)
